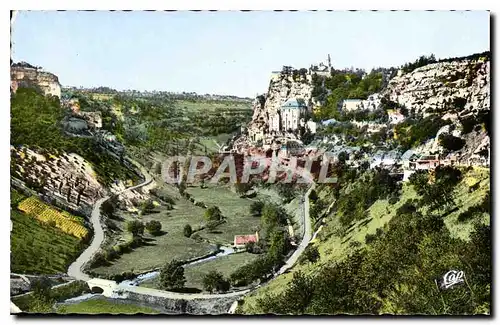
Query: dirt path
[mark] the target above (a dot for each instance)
(75, 269)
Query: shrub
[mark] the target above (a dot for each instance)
(188, 230)
(172, 275)
(215, 281)
(451, 142)
(153, 227)
(369, 238)
(256, 208)
(213, 213)
(311, 254)
(135, 227)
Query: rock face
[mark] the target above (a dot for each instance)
(283, 86)
(25, 75)
(68, 179)
(461, 86)
(455, 89)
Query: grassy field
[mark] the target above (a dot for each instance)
(104, 306)
(37, 248)
(236, 210)
(172, 244)
(194, 273)
(335, 246)
(212, 106)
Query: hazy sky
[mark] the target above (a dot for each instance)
(231, 52)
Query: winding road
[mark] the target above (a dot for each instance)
(75, 269)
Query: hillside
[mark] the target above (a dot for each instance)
(376, 262)
(382, 242)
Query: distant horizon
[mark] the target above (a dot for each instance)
(232, 53)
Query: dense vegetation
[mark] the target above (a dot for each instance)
(343, 85)
(44, 297)
(413, 132)
(38, 248)
(395, 271)
(35, 122)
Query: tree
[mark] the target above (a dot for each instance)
(451, 142)
(213, 213)
(135, 227)
(310, 254)
(153, 227)
(256, 208)
(188, 230)
(172, 275)
(313, 196)
(41, 299)
(215, 281)
(147, 206)
(242, 188)
(108, 207)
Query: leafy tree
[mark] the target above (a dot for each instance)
(256, 208)
(153, 227)
(188, 230)
(213, 213)
(242, 188)
(215, 281)
(311, 254)
(41, 298)
(147, 206)
(451, 142)
(108, 207)
(135, 227)
(211, 225)
(172, 275)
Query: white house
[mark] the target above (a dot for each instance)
(349, 105)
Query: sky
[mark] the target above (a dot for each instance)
(232, 53)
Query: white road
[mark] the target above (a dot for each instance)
(75, 269)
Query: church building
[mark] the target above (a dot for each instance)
(289, 116)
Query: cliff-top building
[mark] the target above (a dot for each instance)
(289, 117)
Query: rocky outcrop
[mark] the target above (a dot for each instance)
(283, 86)
(67, 179)
(460, 86)
(25, 75)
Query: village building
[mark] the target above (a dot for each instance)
(395, 117)
(241, 240)
(350, 105)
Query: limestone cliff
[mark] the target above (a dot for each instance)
(26, 75)
(455, 89)
(459, 86)
(283, 86)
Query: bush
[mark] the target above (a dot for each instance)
(256, 208)
(213, 213)
(188, 230)
(451, 142)
(153, 227)
(135, 227)
(311, 254)
(369, 238)
(172, 275)
(215, 281)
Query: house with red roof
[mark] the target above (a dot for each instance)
(241, 240)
